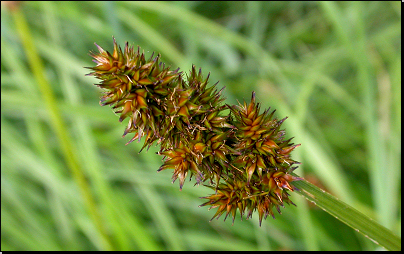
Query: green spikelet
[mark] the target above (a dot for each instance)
(242, 154)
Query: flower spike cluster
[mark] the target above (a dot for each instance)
(237, 151)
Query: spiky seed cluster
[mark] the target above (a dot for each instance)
(260, 141)
(242, 154)
(236, 194)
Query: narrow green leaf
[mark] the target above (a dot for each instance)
(348, 215)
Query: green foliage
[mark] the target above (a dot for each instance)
(333, 68)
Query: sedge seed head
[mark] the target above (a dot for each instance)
(241, 155)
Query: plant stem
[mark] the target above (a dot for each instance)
(348, 215)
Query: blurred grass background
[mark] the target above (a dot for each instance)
(334, 68)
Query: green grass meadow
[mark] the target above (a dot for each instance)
(68, 182)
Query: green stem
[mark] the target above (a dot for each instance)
(57, 122)
(348, 215)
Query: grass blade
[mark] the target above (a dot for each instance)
(349, 216)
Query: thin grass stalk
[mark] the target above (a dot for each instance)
(57, 122)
